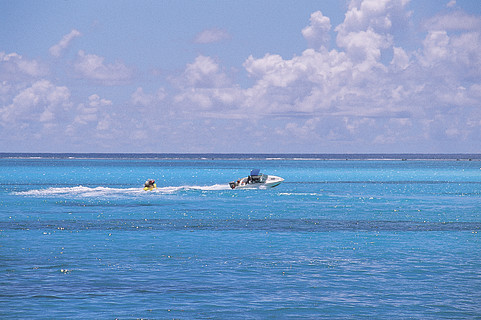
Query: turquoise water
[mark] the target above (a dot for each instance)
(338, 239)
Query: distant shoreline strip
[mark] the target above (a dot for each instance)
(244, 157)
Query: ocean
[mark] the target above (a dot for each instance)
(343, 237)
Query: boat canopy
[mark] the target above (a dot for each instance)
(255, 172)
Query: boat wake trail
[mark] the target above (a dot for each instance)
(82, 191)
(215, 187)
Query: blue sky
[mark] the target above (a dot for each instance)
(360, 76)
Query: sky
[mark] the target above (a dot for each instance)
(222, 76)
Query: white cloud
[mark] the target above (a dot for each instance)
(457, 55)
(364, 46)
(96, 101)
(140, 98)
(42, 102)
(451, 4)
(212, 35)
(204, 72)
(5, 89)
(14, 66)
(274, 70)
(222, 100)
(457, 20)
(436, 47)
(92, 120)
(305, 130)
(317, 33)
(89, 113)
(93, 67)
(375, 14)
(370, 93)
(57, 49)
(467, 54)
(400, 58)
(85, 115)
(205, 87)
(391, 100)
(104, 124)
(368, 29)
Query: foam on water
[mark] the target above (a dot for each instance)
(106, 191)
(173, 189)
(78, 190)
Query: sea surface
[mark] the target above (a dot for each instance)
(343, 237)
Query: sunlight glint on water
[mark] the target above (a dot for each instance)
(79, 238)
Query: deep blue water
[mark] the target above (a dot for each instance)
(373, 236)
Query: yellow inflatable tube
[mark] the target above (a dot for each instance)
(151, 187)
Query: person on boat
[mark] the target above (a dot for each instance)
(149, 184)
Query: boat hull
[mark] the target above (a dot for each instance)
(270, 182)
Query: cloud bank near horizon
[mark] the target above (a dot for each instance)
(373, 83)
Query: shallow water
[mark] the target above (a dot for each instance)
(79, 238)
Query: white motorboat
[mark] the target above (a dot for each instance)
(256, 180)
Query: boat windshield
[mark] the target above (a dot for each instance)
(259, 178)
(255, 172)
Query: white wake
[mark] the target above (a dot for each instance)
(106, 191)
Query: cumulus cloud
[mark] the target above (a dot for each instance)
(369, 93)
(204, 72)
(94, 123)
(212, 35)
(317, 33)
(453, 21)
(93, 67)
(140, 98)
(57, 49)
(365, 46)
(451, 4)
(368, 28)
(89, 112)
(13, 66)
(204, 86)
(95, 101)
(350, 93)
(456, 55)
(375, 14)
(348, 96)
(400, 58)
(304, 131)
(436, 47)
(43, 102)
